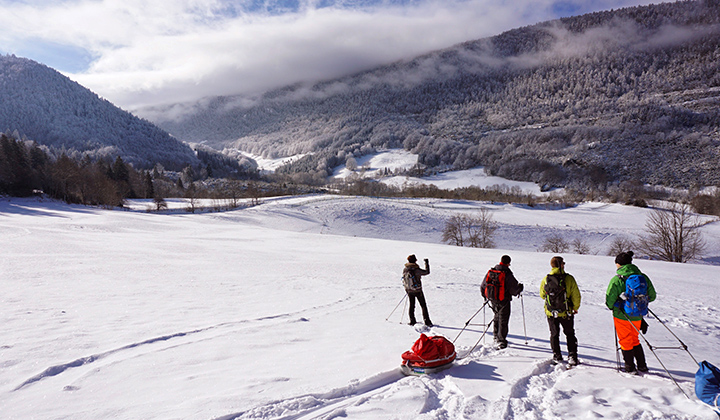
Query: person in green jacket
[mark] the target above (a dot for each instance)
(564, 317)
(627, 327)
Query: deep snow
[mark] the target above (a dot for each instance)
(283, 310)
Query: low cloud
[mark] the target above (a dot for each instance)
(170, 51)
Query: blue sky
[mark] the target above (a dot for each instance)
(140, 53)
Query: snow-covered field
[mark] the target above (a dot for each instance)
(382, 165)
(285, 311)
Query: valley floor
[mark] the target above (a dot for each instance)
(285, 311)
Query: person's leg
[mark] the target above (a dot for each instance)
(495, 306)
(504, 324)
(627, 333)
(423, 306)
(568, 325)
(628, 338)
(553, 323)
(412, 308)
(640, 358)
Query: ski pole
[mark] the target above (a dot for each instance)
(652, 349)
(487, 327)
(396, 306)
(468, 321)
(673, 334)
(522, 304)
(617, 347)
(484, 333)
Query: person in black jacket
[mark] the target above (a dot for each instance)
(413, 287)
(501, 305)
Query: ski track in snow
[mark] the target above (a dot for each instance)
(172, 341)
(532, 394)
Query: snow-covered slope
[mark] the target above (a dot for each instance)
(285, 310)
(50, 109)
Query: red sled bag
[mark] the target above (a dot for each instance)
(428, 355)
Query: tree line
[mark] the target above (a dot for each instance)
(27, 169)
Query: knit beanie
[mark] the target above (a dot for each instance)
(624, 258)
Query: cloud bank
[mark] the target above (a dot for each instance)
(137, 53)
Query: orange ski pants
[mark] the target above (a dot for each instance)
(626, 333)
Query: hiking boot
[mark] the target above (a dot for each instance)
(502, 345)
(640, 358)
(557, 358)
(628, 357)
(412, 323)
(428, 323)
(573, 360)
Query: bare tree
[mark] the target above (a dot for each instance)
(465, 230)
(453, 231)
(160, 203)
(254, 191)
(580, 246)
(555, 243)
(620, 244)
(481, 229)
(673, 234)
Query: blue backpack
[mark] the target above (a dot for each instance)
(707, 385)
(636, 295)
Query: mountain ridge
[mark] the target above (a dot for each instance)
(43, 105)
(580, 102)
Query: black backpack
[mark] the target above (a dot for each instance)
(556, 298)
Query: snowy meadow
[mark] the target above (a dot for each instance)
(293, 309)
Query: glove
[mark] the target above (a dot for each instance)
(521, 287)
(643, 326)
(426, 260)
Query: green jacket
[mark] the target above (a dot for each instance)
(571, 287)
(617, 287)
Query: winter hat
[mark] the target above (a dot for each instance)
(412, 258)
(624, 258)
(505, 259)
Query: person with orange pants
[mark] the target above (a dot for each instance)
(627, 326)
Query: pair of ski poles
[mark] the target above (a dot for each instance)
(522, 302)
(487, 326)
(404, 299)
(652, 348)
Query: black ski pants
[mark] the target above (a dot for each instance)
(568, 326)
(421, 299)
(501, 322)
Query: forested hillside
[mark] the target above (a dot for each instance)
(42, 105)
(629, 94)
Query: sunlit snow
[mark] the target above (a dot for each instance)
(285, 310)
